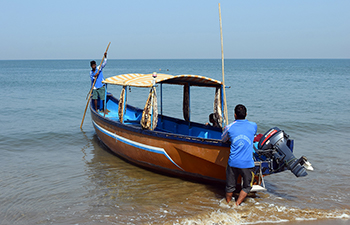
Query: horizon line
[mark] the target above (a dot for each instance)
(177, 59)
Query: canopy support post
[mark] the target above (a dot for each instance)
(161, 100)
(189, 102)
(189, 108)
(105, 102)
(222, 105)
(125, 97)
(152, 108)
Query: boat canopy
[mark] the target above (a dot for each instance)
(148, 80)
(150, 113)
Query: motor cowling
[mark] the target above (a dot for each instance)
(278, 141)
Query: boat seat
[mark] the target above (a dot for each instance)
(132, 121)
(203, 134)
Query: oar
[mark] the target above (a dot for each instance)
(223, 73)
(92, 87)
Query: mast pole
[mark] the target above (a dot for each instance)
(222, 68)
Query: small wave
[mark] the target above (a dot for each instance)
(264, 213)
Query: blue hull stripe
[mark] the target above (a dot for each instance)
(136, 144)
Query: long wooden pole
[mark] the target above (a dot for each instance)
(92, 87)
(222, 68)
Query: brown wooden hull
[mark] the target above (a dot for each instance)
(183, 156)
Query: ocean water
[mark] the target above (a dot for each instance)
(54, 173)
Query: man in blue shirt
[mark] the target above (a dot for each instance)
(99, 88)
(241, 135)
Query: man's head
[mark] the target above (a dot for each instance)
(212, 118)
(93, 65)
(240, 112)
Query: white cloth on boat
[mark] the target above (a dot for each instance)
(217, 107)
(122, 104)
(149, 118)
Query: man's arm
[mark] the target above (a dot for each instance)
(92, 76)
(104, 61)
(100, 67)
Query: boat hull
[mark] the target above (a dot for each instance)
(182, 156)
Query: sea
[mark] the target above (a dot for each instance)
(53, 172)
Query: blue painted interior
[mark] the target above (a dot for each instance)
(165, 124)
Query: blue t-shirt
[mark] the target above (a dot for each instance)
(241, 135)
(100, 78)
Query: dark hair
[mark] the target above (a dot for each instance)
(240, 111)
(93, 62)
(212, 116)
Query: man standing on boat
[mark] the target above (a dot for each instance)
(241, 135)
(99, 88)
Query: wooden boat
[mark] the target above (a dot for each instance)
(171, 145)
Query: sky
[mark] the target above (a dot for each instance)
(174, 29)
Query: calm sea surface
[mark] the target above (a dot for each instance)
(54, 173)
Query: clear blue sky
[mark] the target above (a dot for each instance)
(164, 29)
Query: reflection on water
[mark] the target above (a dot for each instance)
(129, 193)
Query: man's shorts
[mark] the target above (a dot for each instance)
(232, 174)
(99, 93)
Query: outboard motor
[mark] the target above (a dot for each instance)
(278, 142)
